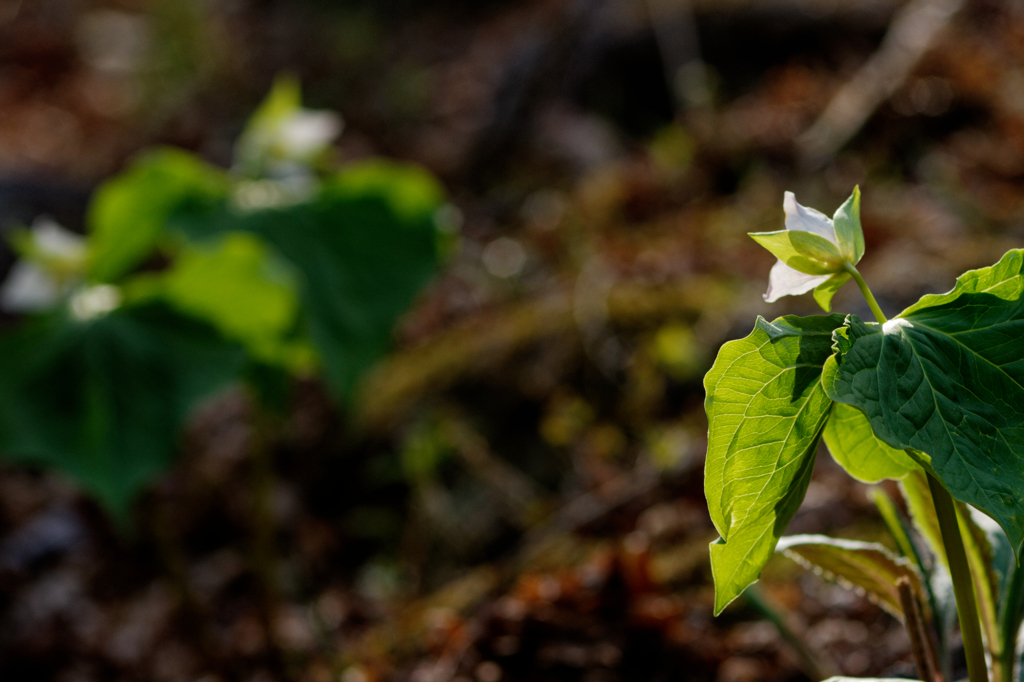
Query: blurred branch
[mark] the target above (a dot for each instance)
(675, 32)
(915, 628)
(912, 32)
(518, 493)
(818, 665)
(477, 345)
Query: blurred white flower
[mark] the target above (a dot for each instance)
(27, 288)
(283, 138)
(93, 301)
(306, 133)
(52, 264)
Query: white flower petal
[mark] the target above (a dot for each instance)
(54, 240)
(785, 281)
(306, 132)
(27, 288)
(805, 219)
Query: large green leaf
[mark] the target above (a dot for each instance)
(867, 566)
(946, 378)
(238, 286)
(363, 250)
(857, 449)
(766, 410)
(129, 212)
(103, 400)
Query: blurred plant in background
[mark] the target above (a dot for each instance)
(191, 278)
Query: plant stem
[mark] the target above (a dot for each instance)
(868, 296)
(949, 526)
(963, 588)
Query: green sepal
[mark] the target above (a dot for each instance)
(849, 233)
(824, 292)
(806, 252)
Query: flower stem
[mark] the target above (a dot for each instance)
(868, 296)
(959, 569)
(963, 588)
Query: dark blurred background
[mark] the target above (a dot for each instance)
(517, 492)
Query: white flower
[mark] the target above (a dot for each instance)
(27, 288)
(814, 252)
(787, 281)
(52, 263)
(306, 133)
(283, 138)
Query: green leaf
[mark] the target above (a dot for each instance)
(237, 285)
(855, 447)
(824, 292)
(766, 410)
(867, 566)
(807, 252)
(129, 212)
(946, 378)
(363, 249)
(849, 233)
(103, 401)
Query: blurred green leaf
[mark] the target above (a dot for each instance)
(129, 212)
(103, 401)
(363, 250)
(425, 449)
(241, 288)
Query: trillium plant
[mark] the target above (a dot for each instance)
(933, 398)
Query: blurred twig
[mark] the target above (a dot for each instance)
(518, 492)
(817, 664)
(915, 628)
(911, 34)
(476, 345)
(675, 32)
